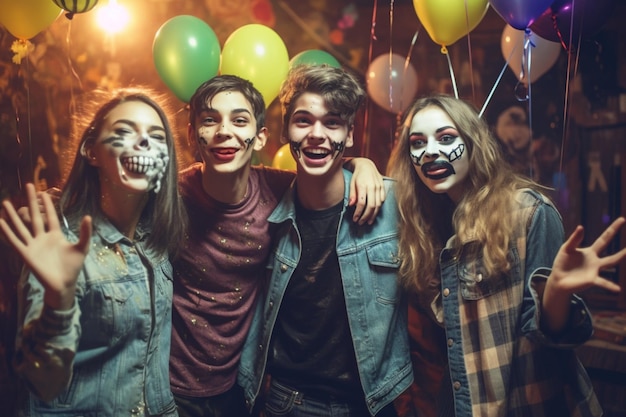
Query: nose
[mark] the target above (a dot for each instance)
(143, 142)
(317, 130)
(432, 149)
(223, 131)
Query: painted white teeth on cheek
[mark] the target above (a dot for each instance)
(157, 171)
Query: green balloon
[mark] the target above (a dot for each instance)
(314, 57)
(186, 53)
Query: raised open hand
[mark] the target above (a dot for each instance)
(577, 269)
(45, 250)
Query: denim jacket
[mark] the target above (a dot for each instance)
(368, 259)
(501, 362)
(109, 354)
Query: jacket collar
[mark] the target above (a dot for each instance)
(286, 209)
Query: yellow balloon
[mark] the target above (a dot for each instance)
(256, 53)
(26, 18)
(283, 159)
(447, 21)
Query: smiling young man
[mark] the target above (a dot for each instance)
(222, 260)
(332, 295)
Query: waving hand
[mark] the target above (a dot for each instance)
(45, 250)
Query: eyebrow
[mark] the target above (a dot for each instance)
(134, 125)
(233, 111)
(306, 112)
(441, 129)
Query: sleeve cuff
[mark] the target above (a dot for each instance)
(579, 327)
(57, 322)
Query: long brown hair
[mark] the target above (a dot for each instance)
(163, 214)
(428, 219)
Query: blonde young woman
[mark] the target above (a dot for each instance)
(482, 250)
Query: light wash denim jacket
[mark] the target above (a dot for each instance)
(368, 259)
(109, 354)
(501, 362)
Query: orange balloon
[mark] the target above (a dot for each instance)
(26, 18)
(447, 21)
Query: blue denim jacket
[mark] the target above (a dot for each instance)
(501, 362)
(376, 306)
(109, 354)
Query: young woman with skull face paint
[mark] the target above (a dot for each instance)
(482, 254)
(95, 301)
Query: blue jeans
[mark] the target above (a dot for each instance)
(286, 401)
(228, 404)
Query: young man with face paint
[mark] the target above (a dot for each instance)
(221, 268)
(483, 255)
(95, 302)
(331, 328)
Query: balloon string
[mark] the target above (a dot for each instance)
(530, 123)
(28, 116)
(390, 54)
(366, 141)
(18, 140)
(444, 51)
(495, 85)
(70, 64)
(521, 88)
(567, 84)
(555, 26)
(469, 50)
(567, 96)
(406, 65)
(526, 57)
(408, 55)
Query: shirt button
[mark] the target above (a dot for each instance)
(457, 385)
(283, 268)
(271, 304)
(260, 347)
(446, 292)
(450, 342)
(479, 277)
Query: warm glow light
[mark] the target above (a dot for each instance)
(112, 18)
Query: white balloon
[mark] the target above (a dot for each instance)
(543, 55)
(393, 93)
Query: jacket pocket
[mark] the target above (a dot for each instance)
(107, 313)
(383, 264)
(476, 283)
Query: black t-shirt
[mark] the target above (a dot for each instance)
(312, 346)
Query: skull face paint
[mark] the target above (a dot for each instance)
(131, 151)
(438, 152)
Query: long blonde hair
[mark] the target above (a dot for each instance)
(428, 219)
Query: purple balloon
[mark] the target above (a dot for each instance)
(555, 24)
(520, 13)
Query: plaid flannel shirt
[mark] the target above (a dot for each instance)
(501, 363)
